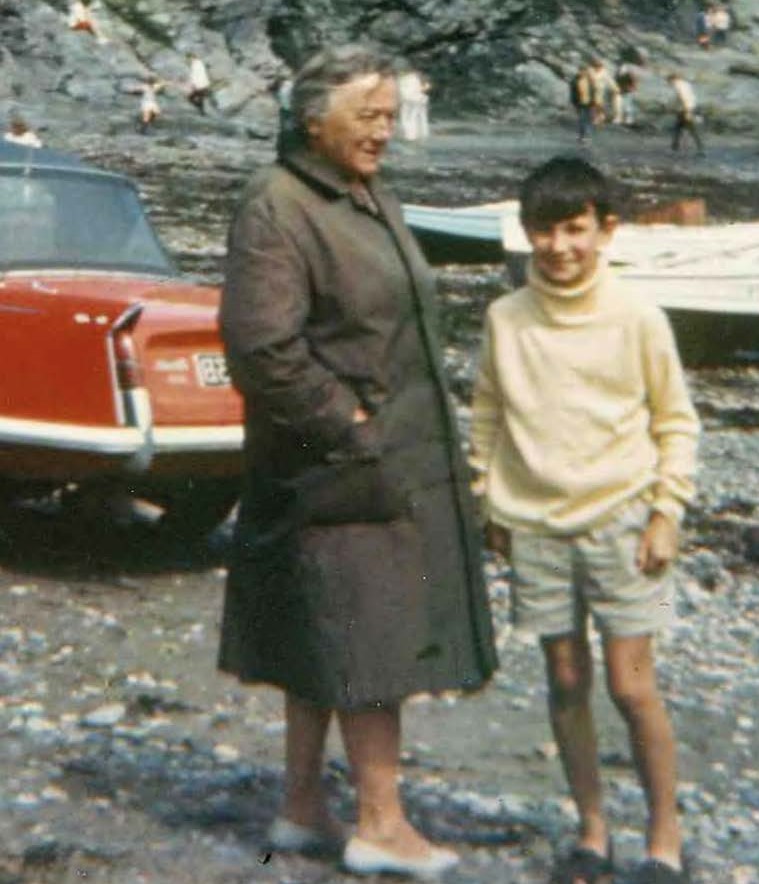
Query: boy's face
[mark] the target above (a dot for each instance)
(566, 252)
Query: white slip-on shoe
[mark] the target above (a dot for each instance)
(287, 837)
(364, 858)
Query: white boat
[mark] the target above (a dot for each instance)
(697, 273)
(713, 269)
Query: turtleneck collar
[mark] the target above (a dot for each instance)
(571, 304)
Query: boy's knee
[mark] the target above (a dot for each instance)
(630, 695)
(569, 686)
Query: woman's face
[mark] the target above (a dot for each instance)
(358, 123)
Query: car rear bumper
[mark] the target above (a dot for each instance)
(132, 448)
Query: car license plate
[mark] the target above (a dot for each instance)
(211, 369)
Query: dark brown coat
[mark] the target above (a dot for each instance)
(356, 577)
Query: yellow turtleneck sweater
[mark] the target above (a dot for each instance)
(580, 405)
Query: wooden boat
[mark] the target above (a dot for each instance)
(705, 277)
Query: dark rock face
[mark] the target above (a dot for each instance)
(484, 56)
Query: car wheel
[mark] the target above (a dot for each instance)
(197, 506)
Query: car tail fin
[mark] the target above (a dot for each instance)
(129, 375)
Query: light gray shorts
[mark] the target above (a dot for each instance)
(559, 581)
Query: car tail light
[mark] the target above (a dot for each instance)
(128, 369)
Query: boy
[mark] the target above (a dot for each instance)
(583, 425)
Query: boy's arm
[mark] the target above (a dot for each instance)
(486, 406)
(674, 425)
(658, 543)
(486, 418)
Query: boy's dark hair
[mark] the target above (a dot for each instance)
(563, 187)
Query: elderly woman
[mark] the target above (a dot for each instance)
(356, 578)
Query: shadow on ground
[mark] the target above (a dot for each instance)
(43, 538)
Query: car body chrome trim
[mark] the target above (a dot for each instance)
(188, 439)
(138, 444)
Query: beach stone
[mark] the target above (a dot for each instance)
(104, 716)
(226, 754)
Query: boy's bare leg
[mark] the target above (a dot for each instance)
(372, 743)
(569, 668)
(631, 677)
(305, 800)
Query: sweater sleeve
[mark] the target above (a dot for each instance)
(486, 404)
(674, 425)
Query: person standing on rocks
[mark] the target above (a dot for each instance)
(627, 81)
(199, 83)
(685, 118)
(720, 22)
(355, 578)
(704, 26)
(604, 92)
(584, 430)
(581, 97)
(150, 110)
(81, 18)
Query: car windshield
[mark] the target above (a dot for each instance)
(55, 218)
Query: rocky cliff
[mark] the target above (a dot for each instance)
(495, 57)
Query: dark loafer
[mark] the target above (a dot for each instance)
(654, 871)
(584, 864)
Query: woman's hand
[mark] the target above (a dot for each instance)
(658, 544)
(360, 415)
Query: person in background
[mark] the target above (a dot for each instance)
(585, 433)
(581, 97)
(81, 18)
(424, 110)
(19, 132)
(685, 118)
(355, 578)
(198, 83)
(720, 21)
(281, 90)
(704, 26)
(150, 110)
(414, 101)
(627, 82)
(605, 93)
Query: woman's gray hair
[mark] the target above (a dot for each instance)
(330, 68)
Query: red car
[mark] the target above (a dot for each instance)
(112, 376)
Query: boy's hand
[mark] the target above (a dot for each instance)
(498, 539)
(658, 544)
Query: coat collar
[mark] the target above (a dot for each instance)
(318, 172)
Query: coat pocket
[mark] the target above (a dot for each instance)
(348, 492)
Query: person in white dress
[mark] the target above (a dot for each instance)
(414, 89)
